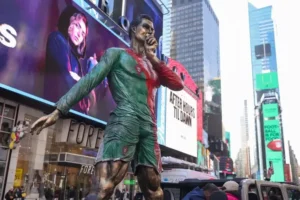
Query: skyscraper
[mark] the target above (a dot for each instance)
(244, 150)
(166, 44)
(262, 44)
(195, 43)
(195, 39)
(266, 95)
(293, 164)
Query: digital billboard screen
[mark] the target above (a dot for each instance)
(273, 143)
(46, 46)
(273, 150)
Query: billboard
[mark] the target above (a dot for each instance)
(181, 121)
(227, 139)
(47, 46)
(266, 81)
(273, 143)
(270, 110)
(273, 150)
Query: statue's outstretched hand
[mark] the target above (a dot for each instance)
(45, 122)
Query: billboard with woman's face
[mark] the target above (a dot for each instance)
(46, 46)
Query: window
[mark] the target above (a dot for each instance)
(269, 192)
(293, 194)
(262, 50)
(7, 120)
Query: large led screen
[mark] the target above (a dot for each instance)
(46, 46)
(273, 143)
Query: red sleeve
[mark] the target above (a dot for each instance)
(168, 78)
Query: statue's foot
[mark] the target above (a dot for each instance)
(91, 197)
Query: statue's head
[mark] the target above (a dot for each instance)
(141, 28)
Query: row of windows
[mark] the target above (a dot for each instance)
(186, 46)
(195, 68)
(176, 23)
(191, 16)
(188, 40)
(191, 32)
(185, 2)
(188, 59)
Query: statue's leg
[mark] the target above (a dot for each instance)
(149, 163)
(109, 175)
(149, 182)
(116, 151)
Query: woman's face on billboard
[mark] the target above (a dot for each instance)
(77, 30)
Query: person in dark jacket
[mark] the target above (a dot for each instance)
(10, 194)
(201, 194)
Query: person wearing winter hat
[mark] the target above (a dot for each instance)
(231, 188)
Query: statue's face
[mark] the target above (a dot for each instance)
(144, 30)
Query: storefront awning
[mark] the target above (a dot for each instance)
(69, 159)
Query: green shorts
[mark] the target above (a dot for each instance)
(128, 138)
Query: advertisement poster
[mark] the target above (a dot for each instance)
(46, 46)
(181, 122)
(266, 81)
(273, 150)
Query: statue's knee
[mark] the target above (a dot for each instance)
(159, 194)
(107, 189)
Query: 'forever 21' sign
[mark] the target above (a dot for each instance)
(83, 134)
(87, 169)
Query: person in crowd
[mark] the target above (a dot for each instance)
(231, 188)
(10, 194)
(201, 193)
(138, 196)
(72, 193)
(80, 194)
(19, 193)
(65, 47)
(117, 194)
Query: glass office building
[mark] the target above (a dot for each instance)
(265, 84)
(262, 42)
(195, 39)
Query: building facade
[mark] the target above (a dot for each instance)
(294, 165)
(244, 150)
(195, 39)
(195, 43)
(167, 31)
